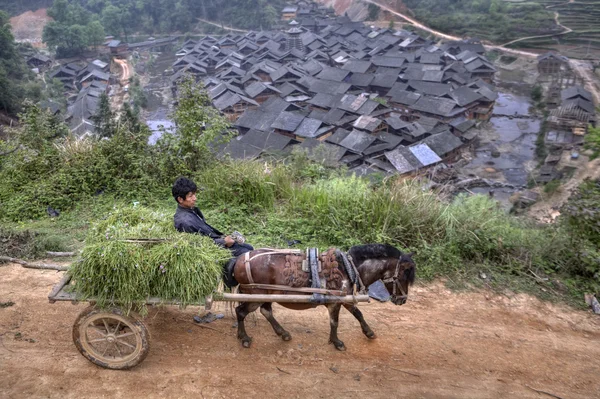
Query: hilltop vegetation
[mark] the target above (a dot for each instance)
(494, 20)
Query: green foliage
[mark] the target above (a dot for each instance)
(391, 25)
(592, 141)
(581, 220)
(199, 126)
(49, 169)
(373, 10)
(495, 20)
(104, 118)
(536, 93)
(551, 187)
(182, 267)
(14, 75)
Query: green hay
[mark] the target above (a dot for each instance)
(181, 267)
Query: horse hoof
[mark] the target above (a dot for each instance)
(246, 343)
(339, 345)
(371, 335)
(286, 336)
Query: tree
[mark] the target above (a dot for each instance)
(103, 119)
(12, 68)
(199, 126)
(391, 25)
(95, 33)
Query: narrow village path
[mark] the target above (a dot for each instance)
(125, 75)
(446, 36)
(222, 26)
(556, 16)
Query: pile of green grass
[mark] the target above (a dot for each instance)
(136, 253)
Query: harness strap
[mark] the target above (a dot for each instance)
(275, 287)
(361, 286)
(247, 264)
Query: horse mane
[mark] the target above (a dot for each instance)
(369, 251)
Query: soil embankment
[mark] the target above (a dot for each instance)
(29, 26)
(439, 345)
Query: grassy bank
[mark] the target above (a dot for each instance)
(469, 241)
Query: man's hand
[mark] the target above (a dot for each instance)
(228, 241)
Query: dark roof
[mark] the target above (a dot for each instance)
(328, 86)
(323, 100)
(442, 143)
(322, 152)
(276, 104)
(396, 123)
(357, 66)
(337, 137)
(334, 74)
(254, 119)
(462, 124)
(368, 123)
(257, 88)
(392, 62)
(436, 106)
(357, 141)
(430, 88)
(403, 160)
(405, 97)
(308, 128)
(229, 99)
(385, 81)
(575, 91)
(361, 79)
(464, 96)
(352, 103)
(288, 121)
(236, 149)
(266, 140)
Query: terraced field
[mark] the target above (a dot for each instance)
(583, 17)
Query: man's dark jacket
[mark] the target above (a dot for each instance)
(191, 220)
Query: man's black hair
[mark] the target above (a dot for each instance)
(182, 187)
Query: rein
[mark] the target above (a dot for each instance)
(395, 279)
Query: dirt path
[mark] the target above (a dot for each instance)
(439, 345)
(125, 74)
(546, 210)
(222, 26)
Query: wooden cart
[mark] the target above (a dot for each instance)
(113, 339)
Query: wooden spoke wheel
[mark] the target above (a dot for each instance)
(111, 339)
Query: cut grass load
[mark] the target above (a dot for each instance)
(136, 253)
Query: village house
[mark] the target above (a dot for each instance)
(374, 99)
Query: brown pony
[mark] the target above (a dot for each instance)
(373, 262)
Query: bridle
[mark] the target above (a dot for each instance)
(395, 279)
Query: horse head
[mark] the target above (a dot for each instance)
(399, 276)
(385, 262)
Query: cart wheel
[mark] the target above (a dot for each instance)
(110, 339)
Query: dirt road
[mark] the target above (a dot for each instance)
(439, 345)
(125, 74)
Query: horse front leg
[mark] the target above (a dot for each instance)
(267, 310)
(241, 311)
(363, 324)
(334, 316)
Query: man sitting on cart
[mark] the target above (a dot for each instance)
(189, 219)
